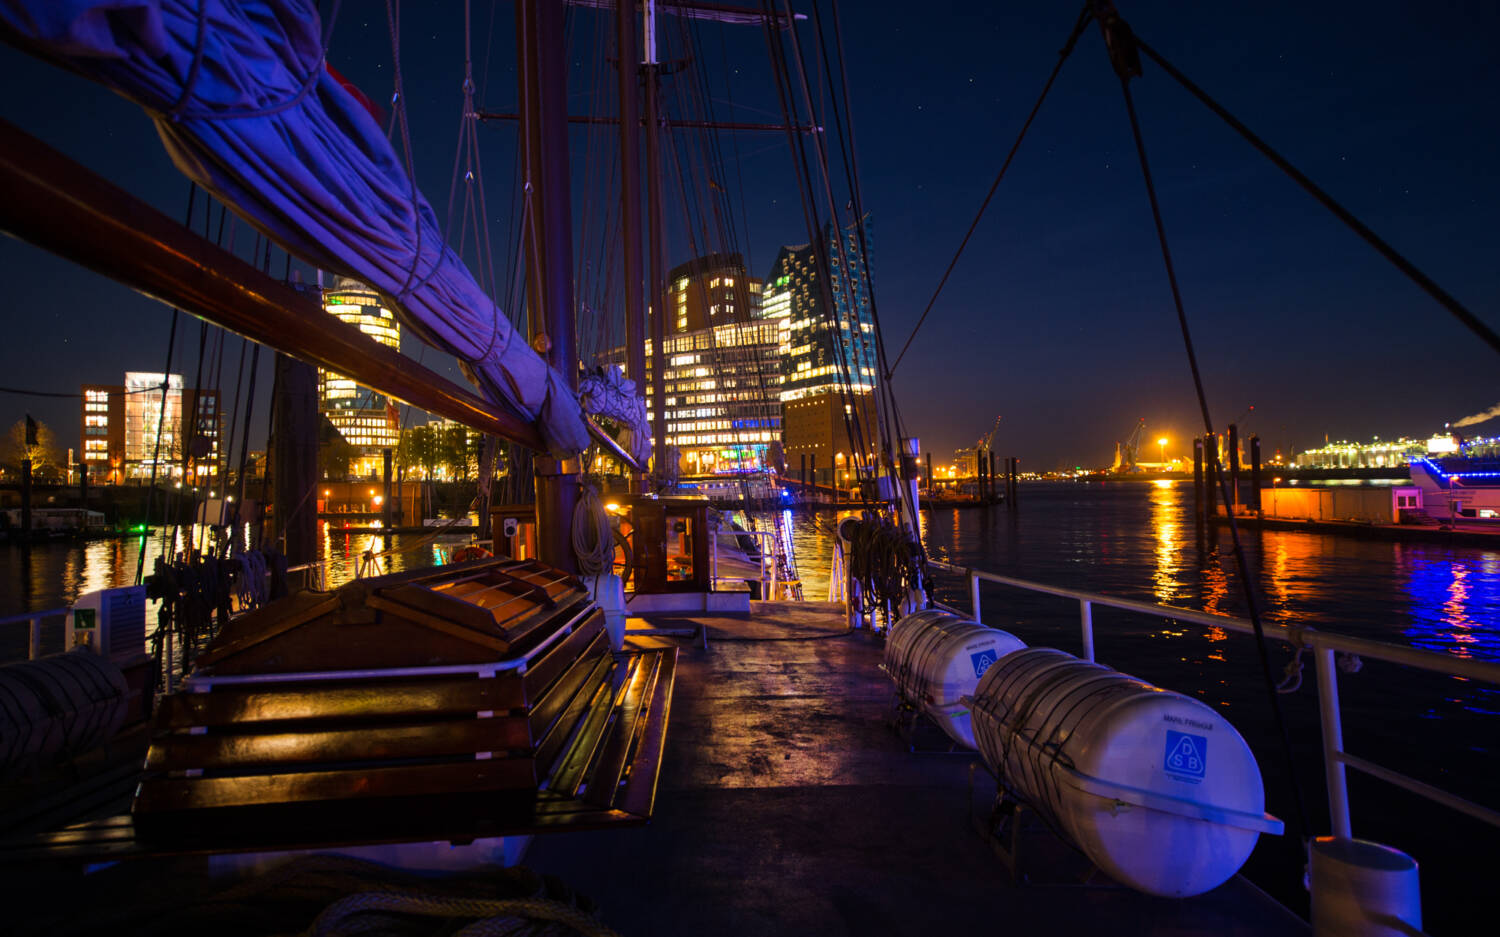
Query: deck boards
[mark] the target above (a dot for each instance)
(787, 807)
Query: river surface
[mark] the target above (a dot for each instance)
(1137, 540)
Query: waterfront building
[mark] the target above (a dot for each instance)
(101, 446)
(368, 421)
(711, 291)
(828, 360)
(128, 428)
(723, 370)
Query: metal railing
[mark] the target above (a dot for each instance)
(768, 556)
(33, 623)
(1323, 646)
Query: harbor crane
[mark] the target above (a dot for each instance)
(1127, 453)
(984, 441)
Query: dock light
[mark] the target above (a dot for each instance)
(612, 508)
(1162, 442)
(372, 492)
(327, 493)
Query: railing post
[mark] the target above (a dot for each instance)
(974, 596)
(1333, 742)
(34, 639)
(166, 660)
(771, 542)
(1086, 620)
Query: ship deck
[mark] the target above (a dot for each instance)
(788, 806)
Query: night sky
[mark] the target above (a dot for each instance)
(1059, 316)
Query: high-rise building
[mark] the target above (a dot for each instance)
(710, 291)
(828, 360)
(365, 419)
(130, 428)
(723, 369)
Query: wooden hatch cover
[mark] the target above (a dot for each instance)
(459, 701)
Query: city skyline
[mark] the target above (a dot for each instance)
(1058, 317)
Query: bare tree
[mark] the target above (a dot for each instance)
(44, 454)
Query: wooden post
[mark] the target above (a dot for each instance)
(927, 479)
(812, 467)
(1234, 466)
(1198, 500)
(1210, 477)
(26, 499)
(296, 471)
(1255, 473)
(979, 461)
(385, 504)
(992, 475)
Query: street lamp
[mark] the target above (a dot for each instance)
(1162, 443)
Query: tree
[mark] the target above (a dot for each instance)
(334, 452)
(44, 454)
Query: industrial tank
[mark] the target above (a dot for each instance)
(936, 659)
(1156, 788)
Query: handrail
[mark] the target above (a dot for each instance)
(1323, 644)
(768, 569)
(34, 627)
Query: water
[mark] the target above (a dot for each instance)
(1137, 540)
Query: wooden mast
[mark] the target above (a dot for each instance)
(657, 272)
(542, 93)
(630, 204)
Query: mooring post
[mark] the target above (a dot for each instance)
(1198, 479)
(385, 505)
(1210, 477)
(1234, 467)
(1254, 499)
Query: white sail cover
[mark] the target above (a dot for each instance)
(608, 392)
(245, 106)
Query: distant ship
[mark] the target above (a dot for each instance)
(1458, 487)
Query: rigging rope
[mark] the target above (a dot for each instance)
(1062, 56)
(1426, 283)
(1121, 46)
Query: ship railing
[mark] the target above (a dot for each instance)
(768, 559)
(1322, 645)
(33, 622)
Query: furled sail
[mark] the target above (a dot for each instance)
(246, 107)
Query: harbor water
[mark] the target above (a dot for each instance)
(1137, 540)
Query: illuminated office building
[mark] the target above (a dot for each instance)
(127, 429)
(368, 421)
(828, 360)
(723, 369)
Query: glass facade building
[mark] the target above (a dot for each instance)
(365, 419)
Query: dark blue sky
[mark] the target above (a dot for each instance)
(1059, 316)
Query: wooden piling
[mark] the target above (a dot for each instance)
(1198, 499)
(1254, 499)
(1234, 466)
(1210, 477)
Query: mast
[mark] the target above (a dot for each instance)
(657, 273)
(541, 53)
(630, 203)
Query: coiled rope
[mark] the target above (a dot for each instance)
(593, 541)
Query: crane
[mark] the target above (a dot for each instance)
(1127, 453)
(985, 440)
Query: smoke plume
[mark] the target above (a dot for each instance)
(1489, 414)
